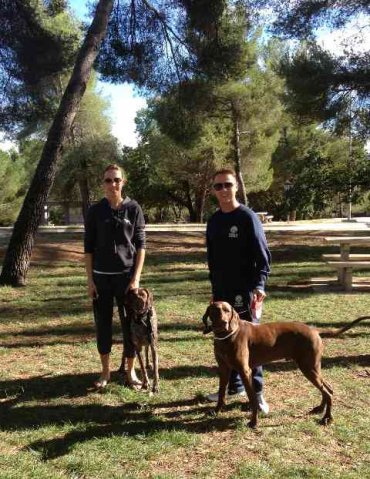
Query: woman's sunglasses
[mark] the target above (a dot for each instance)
(114, 180)
(221, 186)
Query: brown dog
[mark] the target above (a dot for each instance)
(241, 345)
(144, 330)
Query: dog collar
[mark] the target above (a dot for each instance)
(228, 336)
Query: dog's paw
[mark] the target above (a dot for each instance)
(325, 421)
(252, 424)
(316, 410)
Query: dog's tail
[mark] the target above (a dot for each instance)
(332, 333)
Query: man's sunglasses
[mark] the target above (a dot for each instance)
(114, 180)
(221, 186)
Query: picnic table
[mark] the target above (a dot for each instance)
(345, 262)
(264, 216)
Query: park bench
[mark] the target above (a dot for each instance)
(264, 216)
(345, 262)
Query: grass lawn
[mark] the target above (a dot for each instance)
(52, 425)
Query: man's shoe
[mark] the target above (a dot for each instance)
(213, 397)
(262, 404)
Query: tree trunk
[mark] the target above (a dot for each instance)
(18, 255)
(189, 203)
(85, 196)
(200, 199)
(242, 194)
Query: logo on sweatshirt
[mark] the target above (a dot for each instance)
(233, 233)
(238, 302)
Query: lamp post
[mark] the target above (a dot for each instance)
(288, 185)
(350, 160)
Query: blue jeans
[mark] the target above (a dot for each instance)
(241, 302)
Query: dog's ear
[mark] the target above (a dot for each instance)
(234, 317)
(207, 327)
(149, 296)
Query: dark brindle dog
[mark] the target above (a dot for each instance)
(241, 345)
(144, 330)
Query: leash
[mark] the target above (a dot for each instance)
(145, 319)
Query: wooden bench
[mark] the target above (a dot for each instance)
(345, 262)
(262, 215)
(345, 269)
(352, 257)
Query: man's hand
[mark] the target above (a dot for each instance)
(91, 290)
(258, 295)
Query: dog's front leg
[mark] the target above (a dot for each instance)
(246, 376)
(147, 362)
(224, 372)
(143, 370)
(153, 348)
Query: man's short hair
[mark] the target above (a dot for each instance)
(224, 171)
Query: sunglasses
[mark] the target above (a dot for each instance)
(220, 186)
(114, 180)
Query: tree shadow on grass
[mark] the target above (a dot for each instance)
(108, 421)
(48, 387)
(146, 416)
(47, 308)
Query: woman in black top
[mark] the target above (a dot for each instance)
(114, 257)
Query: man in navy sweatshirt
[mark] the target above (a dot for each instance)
(239, 263)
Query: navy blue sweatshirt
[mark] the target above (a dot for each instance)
(237, 251)
(114, 236)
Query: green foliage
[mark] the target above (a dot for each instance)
(11, 184)
(315, 81)
(302, 17)
(256, 103)
(253, 102)
(38, 43)
(322, 86)
(321, 168)
(216, 34)
(90, 149)
(161, 43)
(162, 172)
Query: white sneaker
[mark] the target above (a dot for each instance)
(213, 397)
(262, 404)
